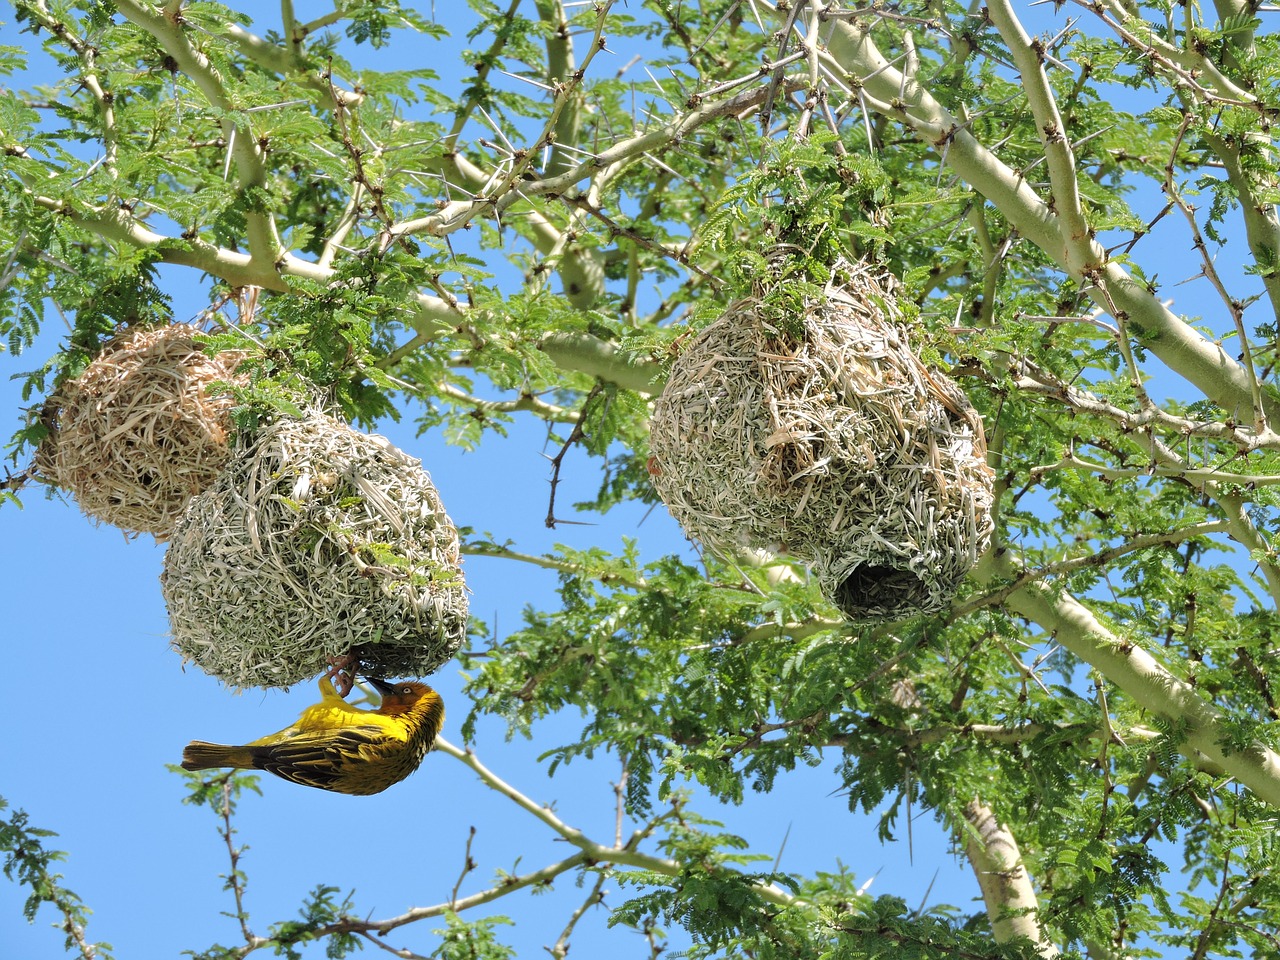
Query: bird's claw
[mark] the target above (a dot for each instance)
(342, 672)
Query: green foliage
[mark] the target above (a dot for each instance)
(805, 208)
(888, 929)
(320, 910)
(406, 234)
(472, 939)
(29, 863)
(372, 21)
(716, 907)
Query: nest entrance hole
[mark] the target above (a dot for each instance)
(876, 588)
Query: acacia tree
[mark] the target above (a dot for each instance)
(1101, 683)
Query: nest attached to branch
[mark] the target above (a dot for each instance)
(316, 542)
(138, 433)
(831, 441)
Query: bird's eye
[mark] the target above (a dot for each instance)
(406, 689)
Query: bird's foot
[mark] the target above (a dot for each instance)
(342, 672)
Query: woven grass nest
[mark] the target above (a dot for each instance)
(832, 442)
(316, 542)
(138, 433)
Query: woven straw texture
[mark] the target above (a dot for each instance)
(316, 542)
(137, 434)
(836, 445)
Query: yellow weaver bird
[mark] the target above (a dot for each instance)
(336, 746)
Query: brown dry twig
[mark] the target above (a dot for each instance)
(557, 461)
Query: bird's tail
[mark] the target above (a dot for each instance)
(199, 755)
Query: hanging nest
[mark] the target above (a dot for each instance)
(316, 542)
(828, 439)
(138, 433)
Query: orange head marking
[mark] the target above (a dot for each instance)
(400, 698)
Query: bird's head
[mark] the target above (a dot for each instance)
(403, 696)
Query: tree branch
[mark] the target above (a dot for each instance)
(560, 949)
(88, 55)
(1095, 559)
(1028, 57)
(264, 240)
(487, 549)
(509, 884)
(456, 215)
(587, 354)
(626, 854)
(279, 60)
(431, 316)
(1006, 889)
(1139, 675)
(1203, 362)
(560, 71)
(1188, 69)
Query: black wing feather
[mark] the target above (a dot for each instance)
(323, 759)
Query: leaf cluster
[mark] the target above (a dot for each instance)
(29, 863)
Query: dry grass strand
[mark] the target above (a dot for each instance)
(137, 434)
(317, 541)
(839, 447)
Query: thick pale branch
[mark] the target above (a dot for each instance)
(264, 240)
(599, 358)
(277, 59)
(431, 316)
(319, 23)
(1006, 889)
(1201, 361)
(89, 77)
(1096, 559)
(1245, 532)
(788, 631)
(1189, 68)
(526, 402)
(560, 70)
(1241, 35)
(1142, 677)
(998, 733)
(1028, 57)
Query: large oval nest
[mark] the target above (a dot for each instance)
(139, 433)
(827, 438)
(316, 542)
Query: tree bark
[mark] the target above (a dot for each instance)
(1006, 889)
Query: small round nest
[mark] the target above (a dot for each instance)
(138, 433)
(316, 542)
(830, 440)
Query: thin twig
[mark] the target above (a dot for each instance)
(14, 482)
(561, 948)
(557, 461)
(234, 878)
(468, 864)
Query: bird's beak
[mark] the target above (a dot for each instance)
(381, 686)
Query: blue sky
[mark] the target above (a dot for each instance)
(103, 704)
(100, 704)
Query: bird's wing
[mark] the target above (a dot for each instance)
(323, 758)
